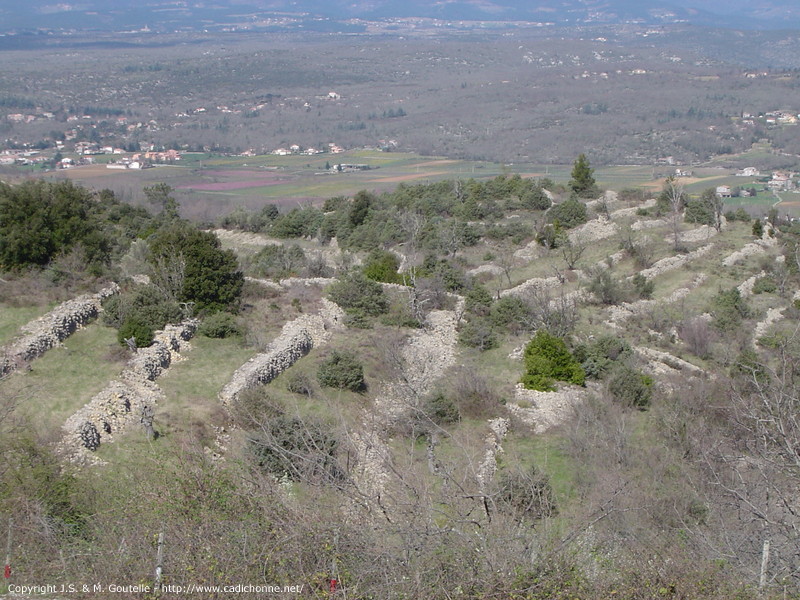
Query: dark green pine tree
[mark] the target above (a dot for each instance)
(582, 182)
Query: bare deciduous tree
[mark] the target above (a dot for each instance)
(168, 275)
(572, 250)
(673, 189)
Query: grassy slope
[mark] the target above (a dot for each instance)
(66, 377)
(14, 317)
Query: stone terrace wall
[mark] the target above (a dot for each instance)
(121, 403)
(51, 329)
(297, 338)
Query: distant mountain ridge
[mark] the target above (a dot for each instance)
(112, 15)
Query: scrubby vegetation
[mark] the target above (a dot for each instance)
(342, 370)
(547, 413)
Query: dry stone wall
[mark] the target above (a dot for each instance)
(297, 338)
(593, 231)
(762, 327)
(488, 467)
(124, 401)
(756, 247)
(426, 357)
(53, 328)
(621, 312)
(537, 284)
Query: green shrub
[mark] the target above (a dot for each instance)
(535, 199)
(354, 292)
(41, 219)
(441, 410)
(582, 181)
(277, 262)
(765, 285)
(451, 276)
(547, 360)
(220, 325)
(748, 368)
(210, 276)
(399, 315)
(477, 332)
(599, 356)
(728, 309)
(630, 387)
(698, 211)
(297, 223)
(551, 235)
(342, 370)
(758, 228)
(606, 288)
(382, 266)
(144, 305)
(510, 312)
(134, 327)
(643, 286)
(569, 213)
(478, 300)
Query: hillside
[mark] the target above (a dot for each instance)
(500, 388)
(338, 15)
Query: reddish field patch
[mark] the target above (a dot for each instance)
(224, 186)
(236, 173)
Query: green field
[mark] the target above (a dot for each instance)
(66, 377)
(14, 317)
(209, 185)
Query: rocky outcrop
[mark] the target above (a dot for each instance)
(699, 234)
(491, 269)
(632, 210)
(664, 363)
(52, 329)
(649, 224)
(297, 338)
(126, 400)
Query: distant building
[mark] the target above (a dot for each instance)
(723, 191)
(748, 172)
(780, 181)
